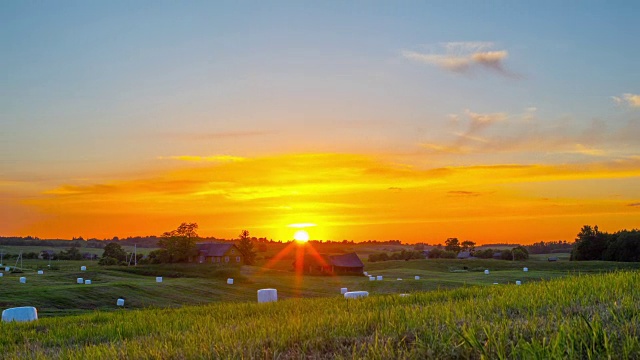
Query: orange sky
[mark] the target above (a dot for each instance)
(347, 196)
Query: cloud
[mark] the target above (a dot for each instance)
(481, 120)
(464, 193)
(631, 100)
(464, 57)
(634, 204)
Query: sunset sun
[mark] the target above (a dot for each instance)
(301, 236)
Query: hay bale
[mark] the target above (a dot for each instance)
(83, 268)
(486, 272)
(372, 278)
(403, 295)
(417, 277)
(120, 302)
(399, 279)
(80, 280)
(267, 295)
(158, 279)
(366, 273)
(87, 282)
(40, 272)
(7, 268)
(355, 294)
(525, 269)
(23, 280)
(1, 274)
(24, 313)
(229, 281)
(495, 283)
(379, 277)
(518, 282)
(343, 290)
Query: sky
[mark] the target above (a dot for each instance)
(493, 121)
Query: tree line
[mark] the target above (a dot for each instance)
(592, 244)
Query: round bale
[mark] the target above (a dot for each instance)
(24, 313)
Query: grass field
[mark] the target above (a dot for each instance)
(578, 317)
(56, 293)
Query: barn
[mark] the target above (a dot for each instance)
(346, 264)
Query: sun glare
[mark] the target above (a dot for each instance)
(301, 236)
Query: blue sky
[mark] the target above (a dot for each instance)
(94, 91)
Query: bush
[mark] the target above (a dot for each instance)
(108, 261)
(506, 255)
(518, 254)
(449, 255)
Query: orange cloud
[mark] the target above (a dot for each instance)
(347, 196)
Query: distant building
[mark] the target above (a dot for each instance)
(347, 264)
(497, 255)
(89, 256)
(464, 255)
(552, 258)
(218, 253)
(46, 254)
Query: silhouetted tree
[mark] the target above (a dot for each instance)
(113, 253)
(452, 244)
(245, 245)
(179, 244)
(468, 245)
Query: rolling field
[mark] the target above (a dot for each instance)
(577, 317)
(56, 293)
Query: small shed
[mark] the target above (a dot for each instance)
(218, 253)
(464, 254)
(552, 258)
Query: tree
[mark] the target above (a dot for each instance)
(468, 245)
(590, 244)
(452, 244)
(179, 244)
(114, 251)
(246, 248)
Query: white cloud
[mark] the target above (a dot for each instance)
(631, 100)
(462, 57)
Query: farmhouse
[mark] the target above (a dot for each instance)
(348, 264)
(218, 253)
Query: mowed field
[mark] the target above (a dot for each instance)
(56, 292)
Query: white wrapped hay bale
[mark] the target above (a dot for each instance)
(399, 279)
(486, 272)
(525, 269)
(158, 279)
(1, 274)
(87, 282)
(403, 295)
(417, 277)
(355, 294)
(267, 295)
(379, 277)
(229, 281)
(40, 272)
(23, 280)
(343, 290)
(495, 283)
(24, 313)
(7, 268)
(518, 282)
(366, 273)
(120, 302)
(83, 268)
(372, 278)
(80, 280)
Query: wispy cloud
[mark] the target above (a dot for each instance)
(217, 135)
(463, 57)
(464, 193)
(631, 100)
(634, 204)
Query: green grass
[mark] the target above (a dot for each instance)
(578, 317)
(56, 293)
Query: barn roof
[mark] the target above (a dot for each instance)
(213, 249)
(346, 260)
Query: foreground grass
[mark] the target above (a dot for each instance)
(587, 316)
